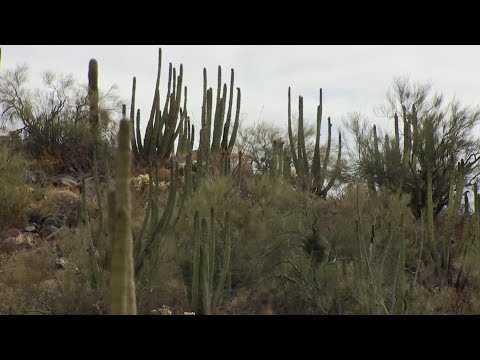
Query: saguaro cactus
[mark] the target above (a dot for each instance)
(122, 277)
(313, 178)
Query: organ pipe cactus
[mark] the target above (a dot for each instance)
(457, 181)
(122, 276)
(158, 225)
(219, 137)
(429, 152)
(313, 178)
(93, 96)
(276, 166)
(208, 278)
(164, 127)
(476, 217)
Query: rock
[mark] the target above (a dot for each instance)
(8, 245)
(65, 180)
(66, 203)
(47, 230)
(52, 221)
(12, 233)
(61, 263)
(31, 228)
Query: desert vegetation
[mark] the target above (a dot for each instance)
(151, 215)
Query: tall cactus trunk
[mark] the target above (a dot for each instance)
(122, 277)
(429, 155)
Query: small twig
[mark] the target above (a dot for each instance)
(54, 233)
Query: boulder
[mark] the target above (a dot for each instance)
(11, 233)
(31, 228)
(51, 221)
(61, 263)
(46, 231)
(65, 180)
(66, 203)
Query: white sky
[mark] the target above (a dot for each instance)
(353, 78)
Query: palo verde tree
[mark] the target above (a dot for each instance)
(401, 162)
(54, 118)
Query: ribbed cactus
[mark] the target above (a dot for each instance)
(429, 153)
(93, 95)
(312, 179)
(122, 276)
(476, 217)
(216, 140)
(457, 181)
(158, 224)
(162, 128)
(208, 278)
(276, 166)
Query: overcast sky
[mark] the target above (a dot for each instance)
(353, 78)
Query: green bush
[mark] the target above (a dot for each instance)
(15, 195)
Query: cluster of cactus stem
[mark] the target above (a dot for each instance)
(155, 224)
(209, 277)
(216, 138)
(457, 182)
(312, 177)
(280, 164)
(395, 158)
(163, 127)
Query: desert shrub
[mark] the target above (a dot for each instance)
(33, 283)
(15, 195)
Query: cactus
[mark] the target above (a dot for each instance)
(277, 170)
(205, 285)
(158, 224)
(93, 95)
(216, 140)
(429, 152)
(162, 129)
(122, 277)
(476, 218)
(132, 119)
(457, 181)
(312, 179)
